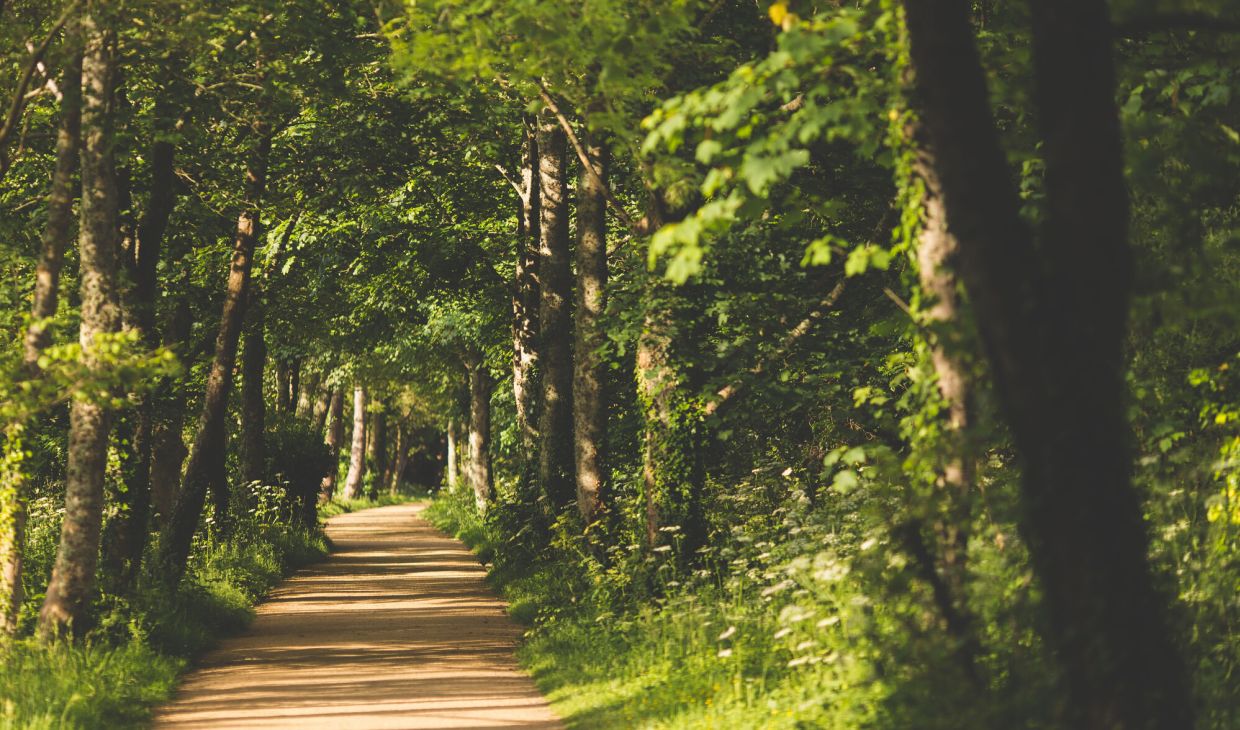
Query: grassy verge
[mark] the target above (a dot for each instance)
(131, 661)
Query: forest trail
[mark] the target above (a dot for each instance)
(396, 629)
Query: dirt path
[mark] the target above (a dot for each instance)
(395, 630)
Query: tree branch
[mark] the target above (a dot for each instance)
(18, 104)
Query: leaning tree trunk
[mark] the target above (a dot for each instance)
(357, 454)
(589, 402)
(73, 576)
(525, 302)
(206, 469)
(376, 449)
(1052, 317)
(253, 404)
(13, 512)
(480, 433)
(555, 424)
(335, 437)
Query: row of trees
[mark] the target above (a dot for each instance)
(658, 275)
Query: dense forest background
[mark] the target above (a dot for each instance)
(792, 364)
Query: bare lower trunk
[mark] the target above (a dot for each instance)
(46, 299)
(294, 385)
(453, 458)
(525, 298)
(205, 470)
(1052, 315)
(357, 454)
(400, 459)
(335, 437)
(322, 405)
(306, 396)
(73, 576)
(283, 377)
(253, 404)
(376, 449)
(555, 424)
(589, 402)
(480, 433)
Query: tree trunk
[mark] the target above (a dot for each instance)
(480, 433)
(307, 395)
(525, 303)
(589, 401)
(253, 404)
(284, 376)
(453, 458)
(294, 386)
(357, 454)
(335, 437)
(400, 459)
(73, 576)
(205, 470)
(168, 450)
(1053, 320)
(46, 300)
(376, 449)
(555, 425)
(321, 406)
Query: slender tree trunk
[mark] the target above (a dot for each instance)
(555, 426)
(73, 576)
(294, 387)
(252, 449)
(306, 396)
(321, 406)
(56, 234)
(480, 433)
(284, 376)
(525, 303)
(376, 449)
(205, 470)
(168, 450)
(335, 437)
(400, 459)
(453, 457)
(1053, 320)
(357, 454)
(589, 401)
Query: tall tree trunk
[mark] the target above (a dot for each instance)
(307, 395)
(206, 469)
(376, 448)
(56, 234)
(400, 459)
(322, 404)
(1053, 320)
(284, 375)
(126, 534)
(168, 450)
(73, 576)
(525, 303)
(453, 457)
(555, 425)
(294, 386)
(357, 454)
(480, 433)
(589, 401)
(335, 437)
(252, 449)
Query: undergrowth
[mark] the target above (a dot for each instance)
(130, 660)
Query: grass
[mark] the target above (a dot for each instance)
(132, 660)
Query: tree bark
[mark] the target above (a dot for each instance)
(56, 234)
(205, 470)
(480, 433)
(1053, 320)
(453, 457)
(376, 448)
(400, 459)
(555, 426)
(168, 450)
(589, 400)
(294, 386)
(284, 376)
(306, 397)
(335, 437)
(357, 454)
(321, 406)
(252, 449)
(525, 303)
(73, 576)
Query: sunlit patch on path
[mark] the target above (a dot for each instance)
(395, 630)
